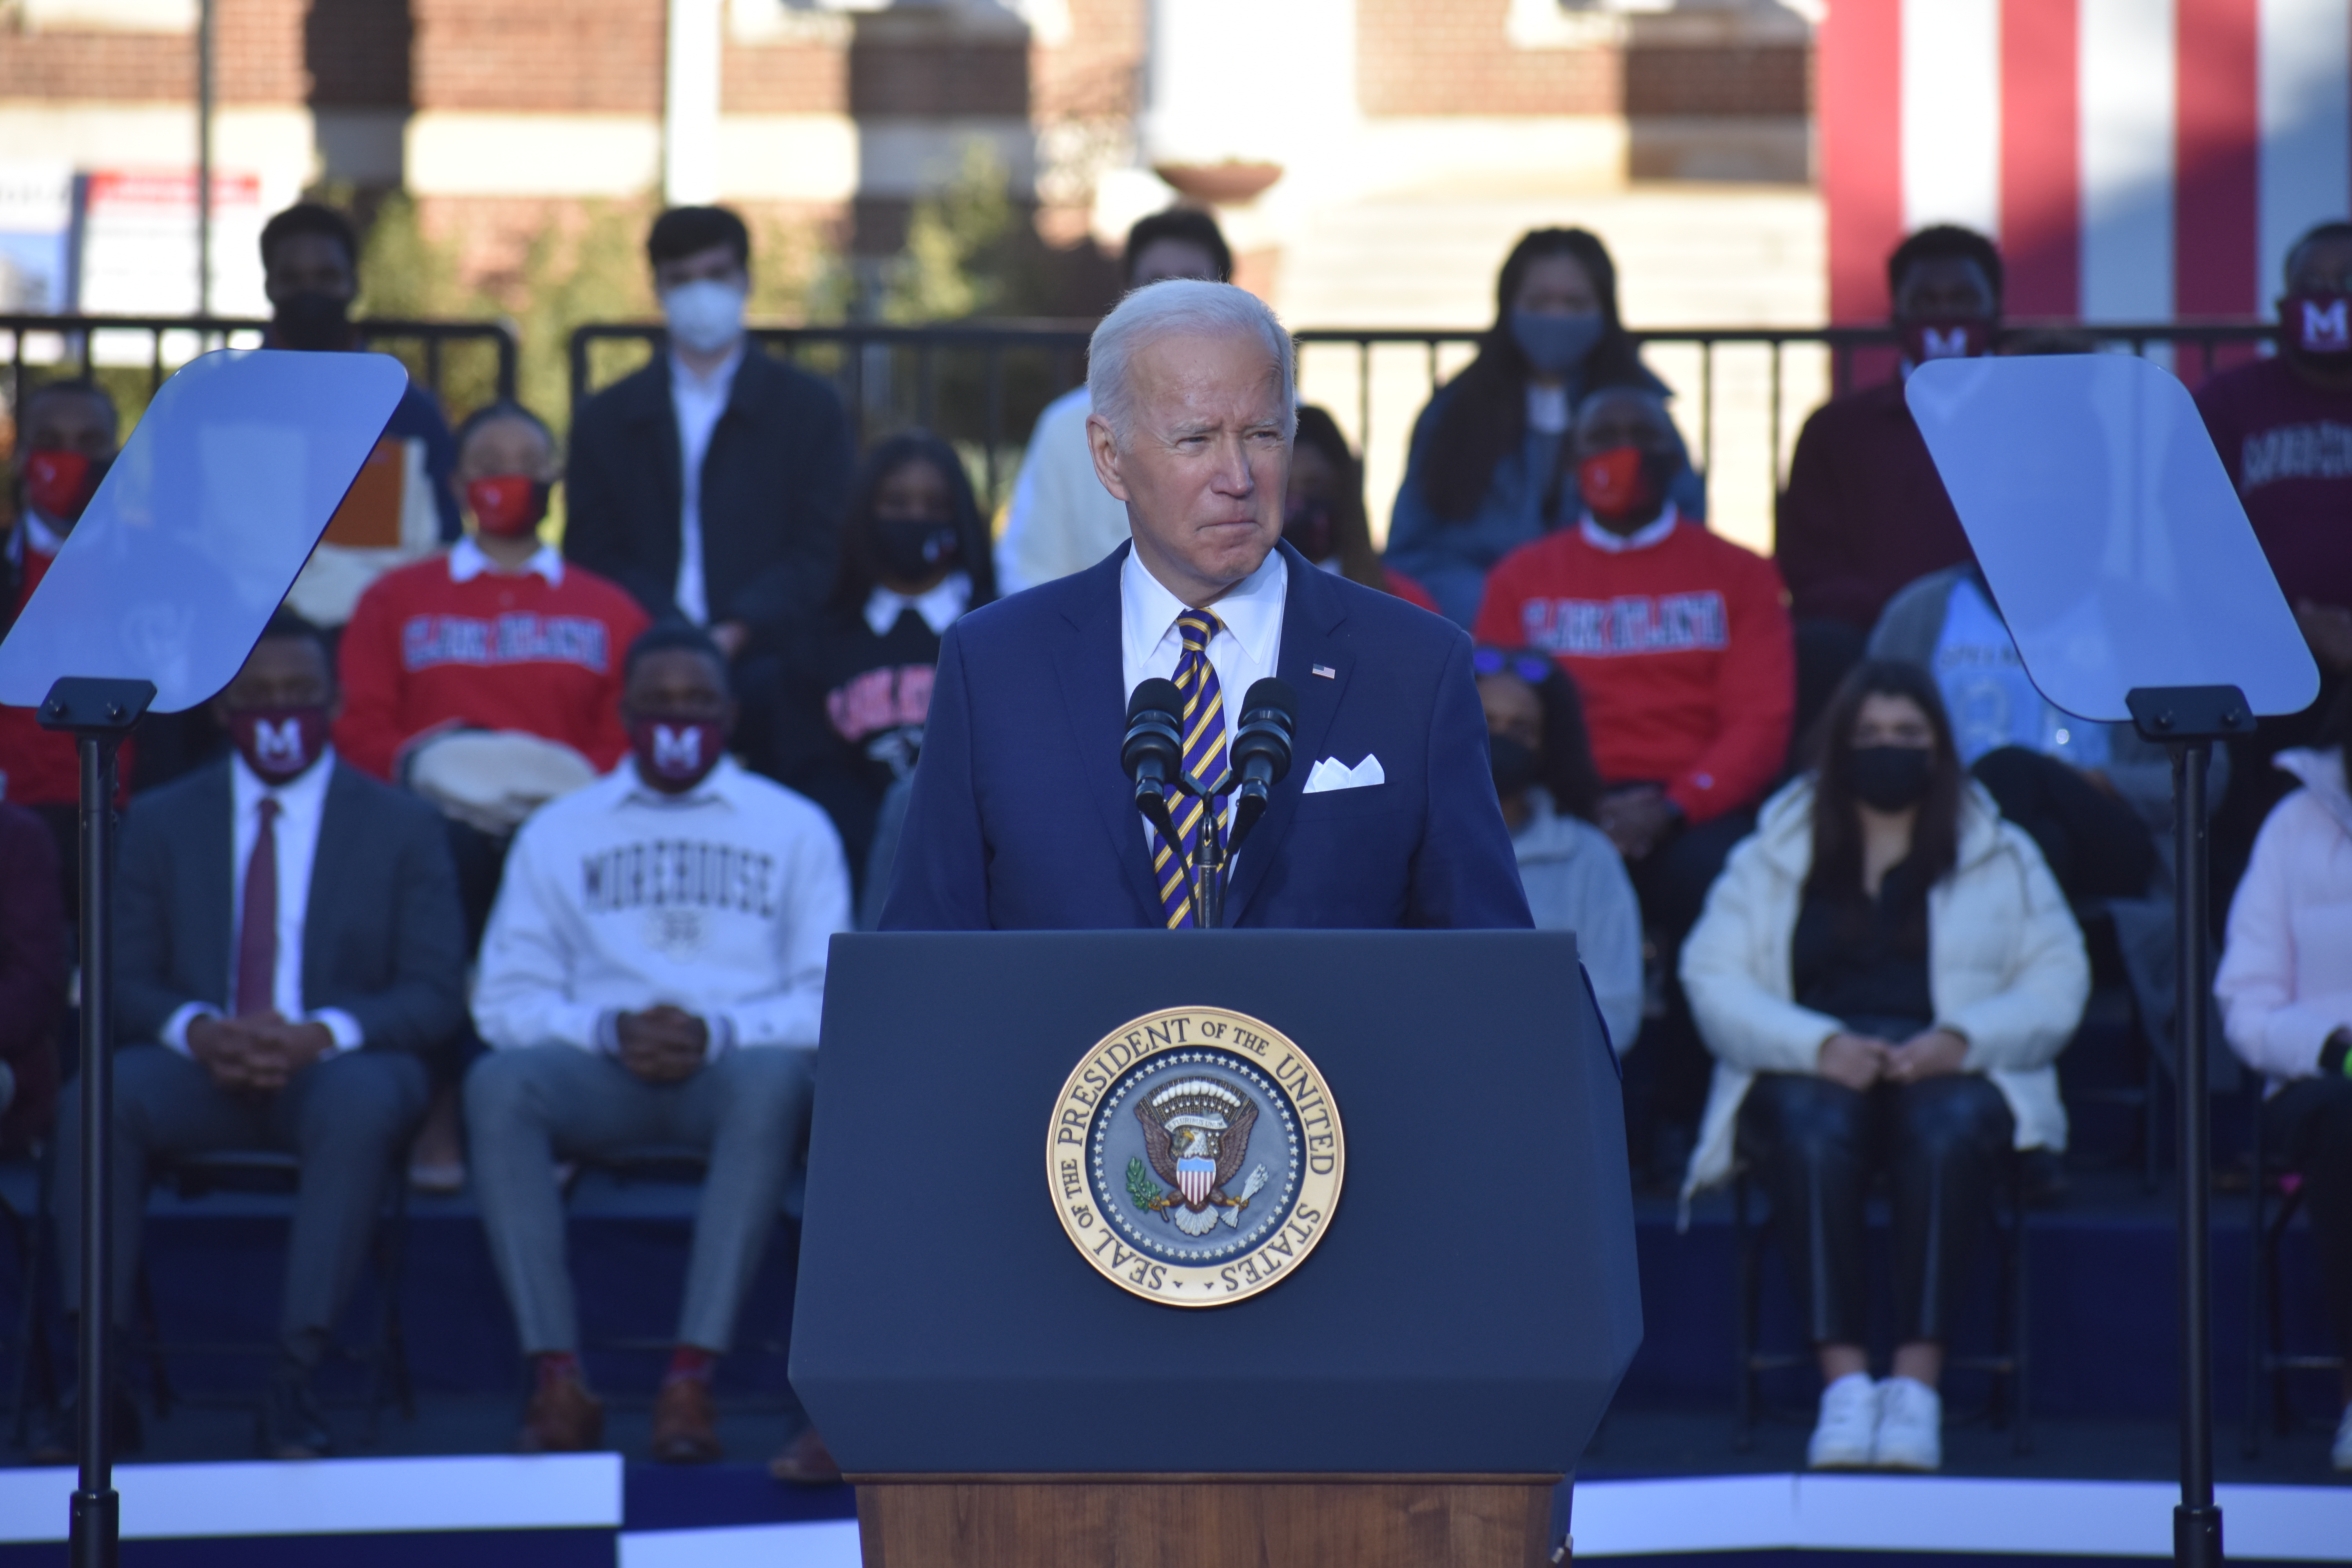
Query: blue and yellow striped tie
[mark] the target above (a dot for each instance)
(1204, 761)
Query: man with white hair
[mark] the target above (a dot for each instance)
(1022, 816)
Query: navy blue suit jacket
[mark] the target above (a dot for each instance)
(382, 937)
(1022, 818)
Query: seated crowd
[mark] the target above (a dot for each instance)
(592, 813)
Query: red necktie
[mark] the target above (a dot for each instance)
(257, 936)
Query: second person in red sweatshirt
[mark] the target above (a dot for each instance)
(1679, 642)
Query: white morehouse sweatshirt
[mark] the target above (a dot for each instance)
(617, 897)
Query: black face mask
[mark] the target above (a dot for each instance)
(1517, 765)
(1888, 778)
(313, 321)
(912, 548)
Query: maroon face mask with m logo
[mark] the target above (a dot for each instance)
(2317, 325)
(277, 743)
(676, 754)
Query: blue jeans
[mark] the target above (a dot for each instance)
(1813, 1145)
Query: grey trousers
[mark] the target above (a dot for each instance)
(347, 1117)
(525, 1109)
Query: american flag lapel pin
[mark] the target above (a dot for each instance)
(1325, 670)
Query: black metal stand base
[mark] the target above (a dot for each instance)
(96, 1526)
(2196, 1536)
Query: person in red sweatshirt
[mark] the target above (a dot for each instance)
(68, 432)
(487, 677)
(1679, 642)
(487, 680)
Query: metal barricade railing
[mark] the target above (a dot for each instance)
(980, 386)
(78, 345)
(1742, 391)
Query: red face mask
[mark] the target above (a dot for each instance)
(507, 506)
(676, 754)
(59, 484)
(2317, 325)
(279, 742)
(1924, 340)
(1618, 482)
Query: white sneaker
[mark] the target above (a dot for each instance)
(2342, 1453)
(1841, 1439)
(1910, 1427)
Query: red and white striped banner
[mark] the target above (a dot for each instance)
(2137, 160)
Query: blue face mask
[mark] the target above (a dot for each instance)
(1555, 345)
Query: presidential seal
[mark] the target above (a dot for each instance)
(1195, 1156)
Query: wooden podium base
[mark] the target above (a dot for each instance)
(1191, 1522)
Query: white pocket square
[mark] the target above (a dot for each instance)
(1332, 774)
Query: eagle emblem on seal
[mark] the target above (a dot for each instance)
(1196, 1131)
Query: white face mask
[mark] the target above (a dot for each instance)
(705, 315)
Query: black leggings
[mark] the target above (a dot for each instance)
(1812, 1145)
(2311, 1120)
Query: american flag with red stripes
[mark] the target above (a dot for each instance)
(2137, 160)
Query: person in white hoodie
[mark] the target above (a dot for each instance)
(1885, 973)
(653, 974)
(2286, 988)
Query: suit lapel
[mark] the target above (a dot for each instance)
(1311, 612)
(1094, 691)
(327, 874)
(658, 414)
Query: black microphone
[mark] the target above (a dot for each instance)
(1153, 750)
(1261, 752)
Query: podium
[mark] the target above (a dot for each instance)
(1407, 1389)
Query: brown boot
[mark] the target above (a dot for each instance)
(563, 1418)
(806, 1461)
(686, 1426)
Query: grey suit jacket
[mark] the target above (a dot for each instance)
(383, 938)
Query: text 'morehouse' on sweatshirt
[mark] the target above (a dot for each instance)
(452, 642)
(618, 897)
(1679, 641)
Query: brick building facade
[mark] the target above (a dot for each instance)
(497, 118)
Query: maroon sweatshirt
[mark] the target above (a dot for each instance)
(2288, 447)
(32, 972)
(1864, 513)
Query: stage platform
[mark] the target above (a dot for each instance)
(594, 1511)
(2101, 1263)
(1662, 1481)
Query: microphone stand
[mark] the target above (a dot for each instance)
(1209, 860)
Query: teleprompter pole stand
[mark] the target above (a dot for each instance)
(2188, 720)
(98, 714)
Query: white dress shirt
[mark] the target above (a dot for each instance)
(1245, 649)
(1654, 531)
(301, 807)
(941, 606)
(699, 401)
(468, 561)
(34, 534)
